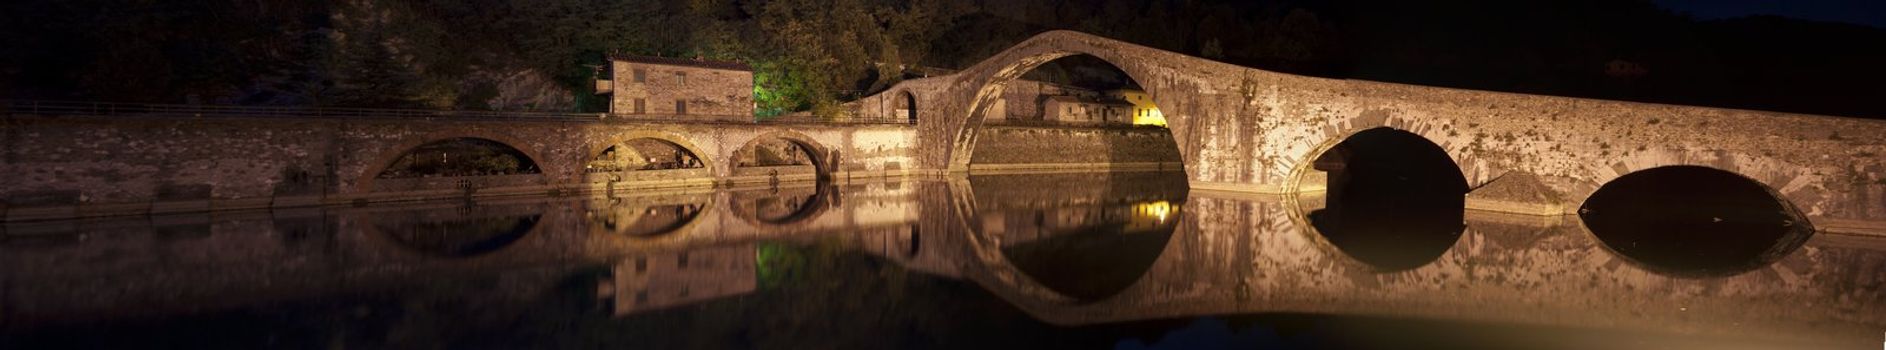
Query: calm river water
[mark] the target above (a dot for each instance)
(1098, 261)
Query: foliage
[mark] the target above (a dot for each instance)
(810, 55)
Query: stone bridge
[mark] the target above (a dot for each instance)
(1236, 129)
(1251, 130)
(61, 166)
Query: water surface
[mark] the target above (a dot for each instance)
(1122, 260)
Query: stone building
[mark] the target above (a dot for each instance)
(644, 85)
(1076, 109)
(1027, 100)
(1144, 112)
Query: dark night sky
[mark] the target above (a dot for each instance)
(1866, 12)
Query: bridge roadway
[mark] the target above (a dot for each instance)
(1228, 253)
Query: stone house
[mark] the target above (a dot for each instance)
(646, 85)
(1144, 111)
(1077, 109)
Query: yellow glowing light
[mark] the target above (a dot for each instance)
(1149, 116)
(1160, 209)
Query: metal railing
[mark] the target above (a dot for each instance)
(139, 110)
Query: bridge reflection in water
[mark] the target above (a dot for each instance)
(1052, 260)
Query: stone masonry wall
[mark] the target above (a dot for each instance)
(93, 166)
(706, 91)
(1250, 130)
(1036, 145)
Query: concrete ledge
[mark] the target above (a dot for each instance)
(241, 203)
(180, 207)
(1510, 218)
(986, 167)
(295, 201)
(114, 209)
(1239, 188)
(752, 179)
(42, 213)
(1875, 228)
(1512, 207)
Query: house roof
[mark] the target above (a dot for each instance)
(676, 61)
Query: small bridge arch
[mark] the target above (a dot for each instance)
(819, 156)
(679, 142)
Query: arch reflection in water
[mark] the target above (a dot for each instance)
(642, 217)
(458, 231)
(1084, 236)
(780, 205)
(1694, 221)
(1395, 201)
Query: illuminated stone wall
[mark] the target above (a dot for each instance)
(1250, 130)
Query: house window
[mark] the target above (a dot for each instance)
(641, 76)
(682, 78)
(641, 106)
(681, 107)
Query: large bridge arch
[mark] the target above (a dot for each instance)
(384, 158)
(982, 85)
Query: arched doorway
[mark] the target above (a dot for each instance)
(1694, 221)
(907, 107)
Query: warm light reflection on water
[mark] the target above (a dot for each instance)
(1043, 260)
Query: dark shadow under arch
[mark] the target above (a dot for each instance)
(783, 151)
(459, 156)
(1395, 200)
(1694, 221)
(908, 102)
(644, 153)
